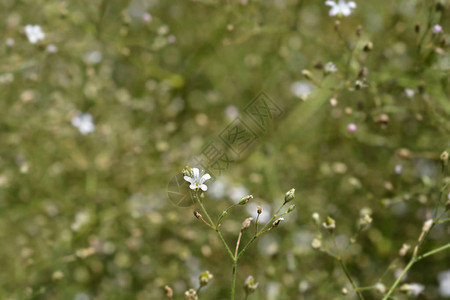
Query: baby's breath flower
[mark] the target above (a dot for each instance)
(197, 180)
(34, 33)
(191, 294)
(205, 277)
(365, 221)
(329, 224)
(84, 123)
(316, 244)
(437, 29)
(380, 288)
(413, 289)
(329, 68)
(250, 285)
(341, 8)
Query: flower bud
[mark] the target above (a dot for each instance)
(368, 47)
(290, 195)
(417, 28)
(316, 244)
(168, 291)
(291, 208)
(244, 200)
(380, 288)
(277, 222)
(191, 295)
(197, 214)
(307, 74)
(365, 221)
(344, 291)
(250, 285)
(204, 278)
(444, 158)
(187, 171)
(316, 218)
(246, 224)
(404, 250)
(259, 210)
(329, 224)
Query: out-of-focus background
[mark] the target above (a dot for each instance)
(104, 102)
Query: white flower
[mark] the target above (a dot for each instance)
(437, 29)
(444, 284)
(413, 289)
(342, 8)
(196, 180)
(51, 48)
(409, 93)
(302, 88)
(330, 68)
(84, 123)
(34, 33)
(93, 57)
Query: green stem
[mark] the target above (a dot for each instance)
(355, 287)
(233, 283)
(215, 227)
(225, 213)
(261, 231)
(442, 248)
(399, 278)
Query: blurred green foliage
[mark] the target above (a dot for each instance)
(88, 217)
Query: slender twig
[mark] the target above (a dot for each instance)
(214, 227)
(429, 253)
(355, 287)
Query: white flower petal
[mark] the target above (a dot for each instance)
(203, 187)
(205, 177)
(330, 3)
(193, 186)
(188, 179)
(196, 173)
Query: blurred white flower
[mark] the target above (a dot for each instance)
(84, 123)
(231, 111)
(413, 289)
(301, 88)
(81, 218)
(51, 48)
(217, 189)
(197, 181)
(171, 39)
(146, 17)
(9, 42)
(341, 8)
(330, 67)
(34, 33)
(398, 169)
(444, 283)
(409, 93)
(93, 57)
(237, 192)
(437, 29)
